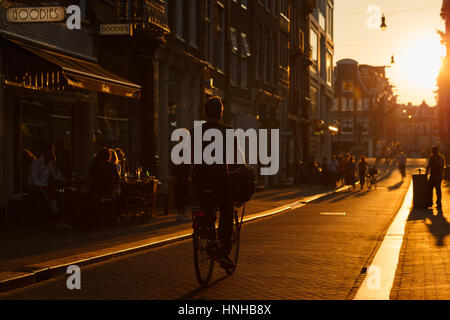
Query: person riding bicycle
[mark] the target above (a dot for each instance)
(372, 171)
(216, 178)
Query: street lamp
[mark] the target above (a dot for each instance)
(383, 25)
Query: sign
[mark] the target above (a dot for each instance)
(35, 14)
(115, 29)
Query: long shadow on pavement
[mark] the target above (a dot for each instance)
(195, 292)
(436, 222)
(396, 186)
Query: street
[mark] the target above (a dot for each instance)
(317, 251)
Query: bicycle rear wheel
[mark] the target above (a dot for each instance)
(235, 241)
(203, 261)
(369, 183)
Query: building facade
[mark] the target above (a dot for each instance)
(417, 129)
(72, 88)
(321, 74)
(364, 108)
(444, 85)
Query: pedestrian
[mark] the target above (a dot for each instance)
(402, 164)
(362, 170)
(435, 167)
(43, 174)
(350, 172)
(114, 159)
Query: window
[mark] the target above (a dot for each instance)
(366, 104)
(208, 32)
(245, 53)
(334, 105)
(234, 56)
(219, 56)
(321, 21)
(314, 47)
(193, 22)
(313, 101)
(329, 68)
(179, 18)
(359, 104)
(347, 125)
(258, 51)
(346, 104)
(284, 50)
(362, 126)
(301, 40)
(272, 61)
(347, 86)
(233, 36)
(264, 55)
(330, 20)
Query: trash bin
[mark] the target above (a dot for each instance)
(422, 196)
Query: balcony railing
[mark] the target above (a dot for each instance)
(143, 15)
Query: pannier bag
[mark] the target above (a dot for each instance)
(242, 184)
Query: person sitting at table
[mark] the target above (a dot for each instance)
(42, 170)
(103, 173)
(115, 161)
(122, 162)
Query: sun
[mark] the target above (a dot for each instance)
(417, 67)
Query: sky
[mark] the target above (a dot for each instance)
(411, 36)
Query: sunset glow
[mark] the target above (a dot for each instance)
(417, 66)
(411, 36)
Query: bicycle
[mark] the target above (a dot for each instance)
(205, 238)
(372, 179)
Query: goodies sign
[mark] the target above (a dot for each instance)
(35, 14)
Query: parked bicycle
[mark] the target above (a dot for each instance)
(205, 237)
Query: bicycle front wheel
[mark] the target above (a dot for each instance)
(235, 241)
(203, 261)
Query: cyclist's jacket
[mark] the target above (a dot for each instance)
(213, 175)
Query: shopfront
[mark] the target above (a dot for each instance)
(50, 97)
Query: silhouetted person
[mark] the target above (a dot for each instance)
(362, 170)
(216, 177)
(402, 164)
(350, 172)
(435, 167)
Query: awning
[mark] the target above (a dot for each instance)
(85, 74)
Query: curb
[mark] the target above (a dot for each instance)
(52, 272)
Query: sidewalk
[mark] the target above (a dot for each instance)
(423, 272)
(30, 255)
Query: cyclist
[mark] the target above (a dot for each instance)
(216, 178)
(372, 172)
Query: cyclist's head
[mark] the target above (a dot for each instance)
(214, 109)
(435, 150)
